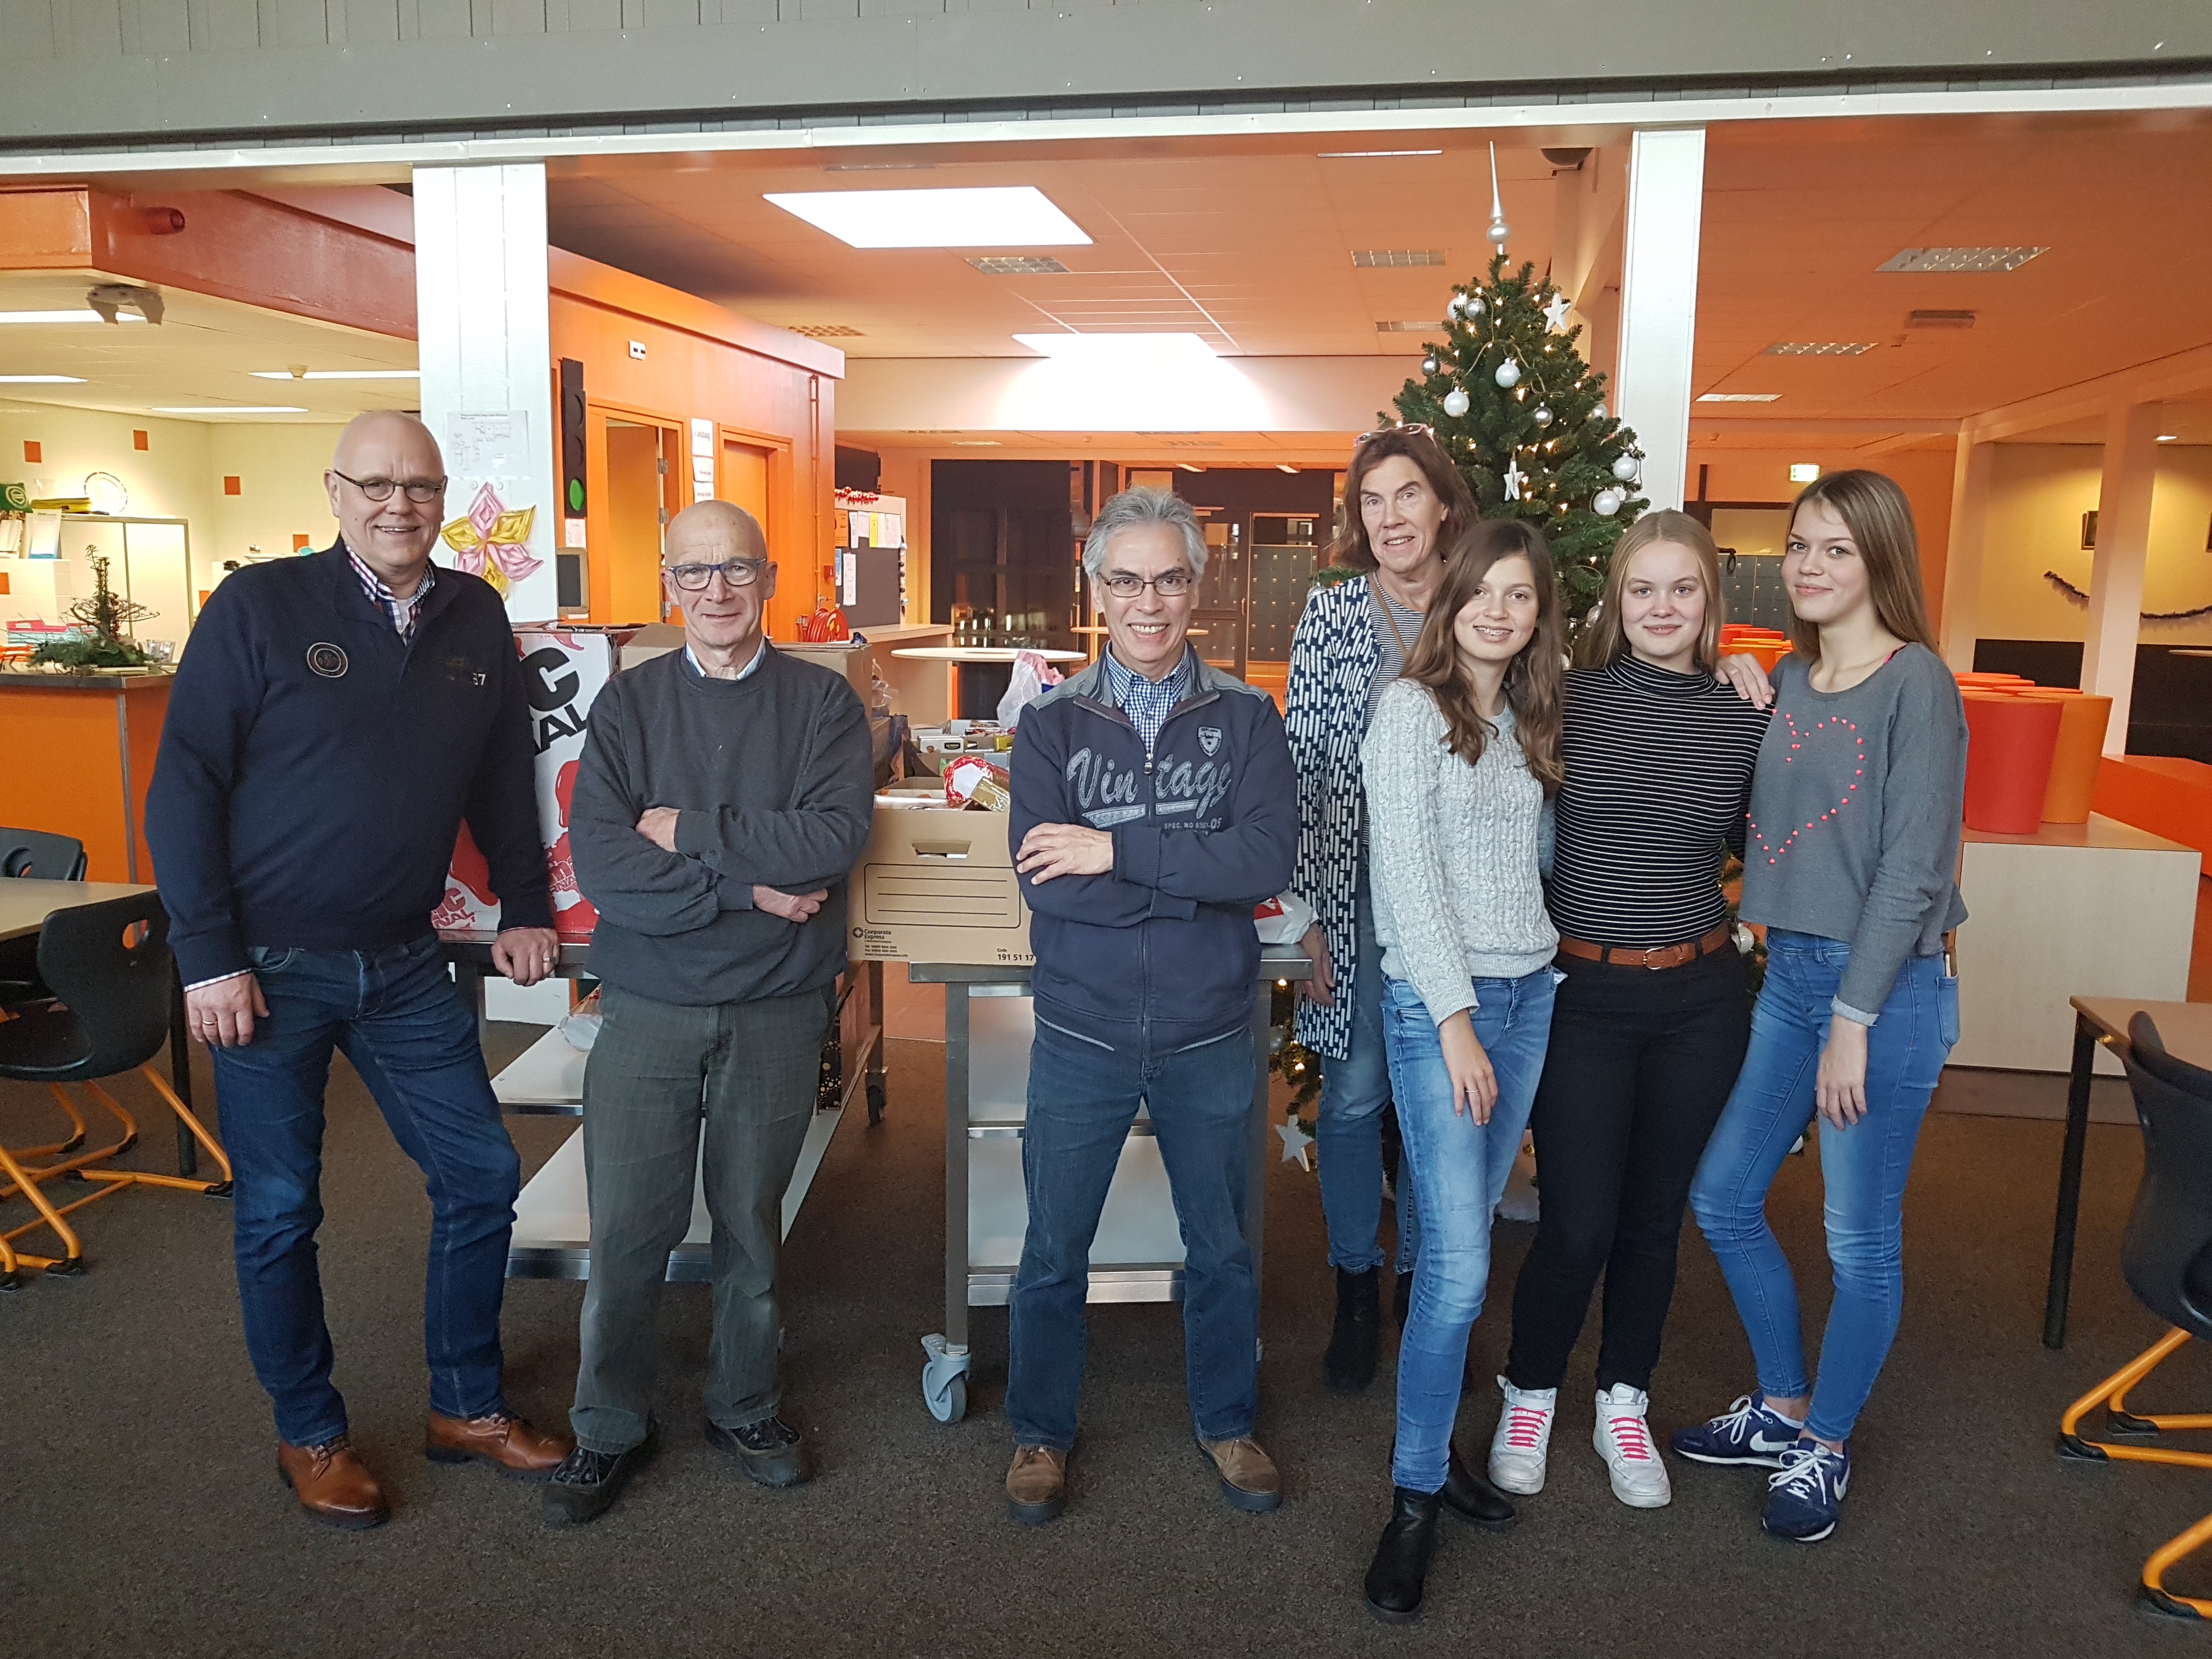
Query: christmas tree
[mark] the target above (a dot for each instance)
(1523, 417)
(102, 639)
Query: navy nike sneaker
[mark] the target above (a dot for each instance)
(1746, 1433)
(1807, 1493)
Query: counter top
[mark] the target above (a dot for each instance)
(2100, 832)
(15, 679)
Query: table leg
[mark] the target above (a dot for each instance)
(2070, 1184)
(877, 1054)
(180, 1078)
(1255, 1175)
(469, 979)
(956, 1055)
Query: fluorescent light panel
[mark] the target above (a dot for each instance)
(1364, 154)
(339, 374)
(1818, 348)
(81, 316)
(1959, 258)
(1019, 265)
(1390, 258)
(41, 379)
(1408, 328)
(1737, 396)
(1019, 215)
(1118, 348)
(235, 409)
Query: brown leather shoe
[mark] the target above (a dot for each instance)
(332, 1484)
(1036, 1484)
(1248, 1479)
(502, 1439)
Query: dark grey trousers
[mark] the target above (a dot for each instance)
(659, 1071)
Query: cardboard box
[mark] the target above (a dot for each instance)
(937, 884)
(566, 668)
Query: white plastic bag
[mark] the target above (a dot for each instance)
(1283, 920)
(1032, 674)
(581, 1029)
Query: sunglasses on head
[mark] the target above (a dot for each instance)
(1426, 430)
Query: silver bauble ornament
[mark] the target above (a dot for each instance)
(1429, 364)
(1606, 503)
(1543, 415)
(1452, 305)
(1475, 306)
(1597, 410)
(1456, 402)
(1498, 233)
(1624, 468)
(1509, 374)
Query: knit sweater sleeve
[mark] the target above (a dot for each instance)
(1924, 793)
(817, 837)
(1400, 760)
(632, 882)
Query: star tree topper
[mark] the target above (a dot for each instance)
(1555, 313)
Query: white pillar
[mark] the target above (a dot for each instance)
(1659, 303)
(2116, 578)
(1962, 558)
(485, 338)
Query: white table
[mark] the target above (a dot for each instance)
(983, 654)
(25, 903)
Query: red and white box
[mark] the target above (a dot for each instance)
(566, 669)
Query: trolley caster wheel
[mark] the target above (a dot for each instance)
(944, 1380)
(951, 1405)
(875, 1104)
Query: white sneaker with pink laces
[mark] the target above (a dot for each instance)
(1522, 1445)
(1639, 1479)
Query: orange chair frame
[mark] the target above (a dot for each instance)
(2112, 1394)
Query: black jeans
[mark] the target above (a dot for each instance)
(1640, 1065)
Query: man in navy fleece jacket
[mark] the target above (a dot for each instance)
(333, 720)
(1154, 805)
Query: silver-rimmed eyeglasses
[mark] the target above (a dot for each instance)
(698, 578)
(1172, 586)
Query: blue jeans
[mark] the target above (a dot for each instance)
(1457, 1169)
(396, 1015)
(1864, 1170)
(1349, 1122)
(1083, 1097)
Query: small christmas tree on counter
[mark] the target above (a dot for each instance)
(105, 620)
(1514, 406)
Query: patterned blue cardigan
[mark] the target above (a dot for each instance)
(1333, 657)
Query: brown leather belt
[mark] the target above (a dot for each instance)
(1657, 956)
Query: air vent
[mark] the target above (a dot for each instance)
(1019, 265)
(1959, 258)
(1382, 259)
(1939, 320)
(1738, 396)
(825, 330)
(1818, 348)
(1430, 326)
(1187, 443)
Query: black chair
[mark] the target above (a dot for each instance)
(111, 973)
(41, 856)
(2167, 1256)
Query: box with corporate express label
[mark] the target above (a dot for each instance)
(565, 668)
(936, 883)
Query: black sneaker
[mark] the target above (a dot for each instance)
(588, 1482)
(770, 1450)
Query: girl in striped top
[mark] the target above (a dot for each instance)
(1653, 1015)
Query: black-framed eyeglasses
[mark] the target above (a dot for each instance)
(698, 578)
(1426, 430)
(418, 490)
(1172, 586)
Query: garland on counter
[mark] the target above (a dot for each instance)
(2080, 597)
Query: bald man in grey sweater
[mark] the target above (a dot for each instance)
(725, 792)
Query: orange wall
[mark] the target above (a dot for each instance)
(761, 386)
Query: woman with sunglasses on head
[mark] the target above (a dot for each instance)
(1852, 847)
(1653, 1013)
(1403, 503)
(1459, 763)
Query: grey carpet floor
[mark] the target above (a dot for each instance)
(140, 1512)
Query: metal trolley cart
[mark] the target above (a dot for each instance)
(552, 1221)
(1138, 1254)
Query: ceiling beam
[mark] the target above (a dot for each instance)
(2184, 373)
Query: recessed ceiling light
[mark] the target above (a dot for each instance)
(1959, 258)
(1737, 396)
(1818, 348)
(1019, 265)
(1018, 215)
(1415, 327)
(826, 330)
(1118, 348)
(235, 409)
(80, 316)
(41, 379)
(1939, 320)
(339, 374)
(977, 443)
(1360, 154)
(1387, 258)
(2169, 437)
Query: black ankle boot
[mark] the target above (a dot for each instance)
(1472, 1499)
(1349, 1364)
(1401, 1567)
(1401, 1299)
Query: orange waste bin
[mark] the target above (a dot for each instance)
(2010, 743)
(2074, 762)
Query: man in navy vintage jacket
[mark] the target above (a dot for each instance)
(333, 720)
(1154, 805)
